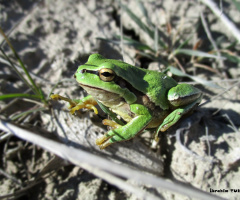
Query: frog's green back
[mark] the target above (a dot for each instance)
(152, 83)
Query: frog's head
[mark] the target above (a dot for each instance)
(105, 78)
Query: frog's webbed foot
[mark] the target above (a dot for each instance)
(74, 105)
(83, 105)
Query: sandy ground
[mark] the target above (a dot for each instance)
(51, 35)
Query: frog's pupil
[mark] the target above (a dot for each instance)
(106, 74)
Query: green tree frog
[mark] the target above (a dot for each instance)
(143, 98)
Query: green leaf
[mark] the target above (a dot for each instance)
(138, 45)
(34, 86)
(143, 26)
(237, 4)
(26, 113)
(184, 43)
(19, 95)
(191, 52)
(177, 72)
(231, 58)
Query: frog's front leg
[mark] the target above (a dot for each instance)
(183, 98)
(75, 104)
(131, 129)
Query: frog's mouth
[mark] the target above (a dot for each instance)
(87, 86)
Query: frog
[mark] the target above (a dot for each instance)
(144, 99)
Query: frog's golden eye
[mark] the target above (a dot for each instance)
(106, 74)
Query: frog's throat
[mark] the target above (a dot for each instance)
(109, 99)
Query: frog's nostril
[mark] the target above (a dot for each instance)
(74, 75)
(82, 71)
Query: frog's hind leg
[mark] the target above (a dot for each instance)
(182, 102)
(173, 118)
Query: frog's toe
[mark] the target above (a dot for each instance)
(105, 144)
(111, 123)
(108, 139)
(103, 139)
(55, 96)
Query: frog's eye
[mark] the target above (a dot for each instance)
(106, 74)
